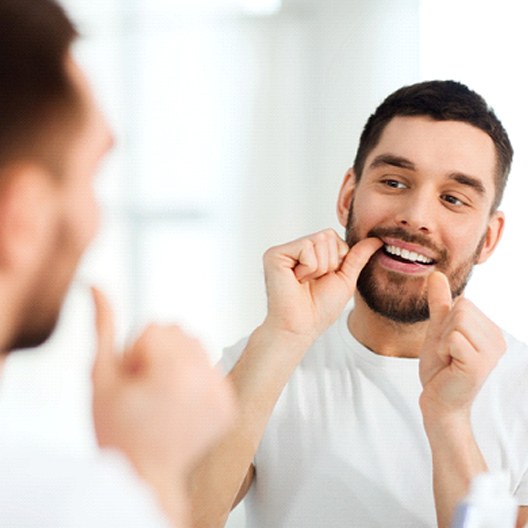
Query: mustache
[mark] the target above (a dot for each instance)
(412, 238)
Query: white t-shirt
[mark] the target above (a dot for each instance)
(42, 488)
(345, 446)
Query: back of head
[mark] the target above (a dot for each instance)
(38, 103)
(441, 101)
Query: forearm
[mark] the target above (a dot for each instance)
(174, 501)
(258, 379)
(456, 459)
(169, 490)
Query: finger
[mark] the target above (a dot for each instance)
(334, 257)
(307, 262)
(466, 359)
(439, 298)
(326, 259)
(342, 249)
(357, 258)
(104, 324)
(316, 259)
(321, 248)
(484, 335)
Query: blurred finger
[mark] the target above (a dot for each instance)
(104, 324)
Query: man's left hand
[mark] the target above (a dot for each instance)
(461, 348)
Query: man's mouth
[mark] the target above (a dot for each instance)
(404, 255)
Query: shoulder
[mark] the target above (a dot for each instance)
(329, 346)
(507, 382)
(516, 356)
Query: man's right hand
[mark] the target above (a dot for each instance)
(161, 403)
(310, 280)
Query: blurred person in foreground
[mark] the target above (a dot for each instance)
(381, 415)
(156, 407)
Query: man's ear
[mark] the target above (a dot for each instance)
(27, 206)
(493, 236)
(345, 196)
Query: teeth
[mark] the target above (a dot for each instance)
(408, 255)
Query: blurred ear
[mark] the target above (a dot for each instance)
(346, 194)
(27, 206)
(493, 236)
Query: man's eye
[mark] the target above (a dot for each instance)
(395, 184)
(452, 200)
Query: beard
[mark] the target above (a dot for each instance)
(36, 335)
(403, 298)
(39, 315)
(45, 295)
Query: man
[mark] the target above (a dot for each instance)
(382, 415)
(160, 404)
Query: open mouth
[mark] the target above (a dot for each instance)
(404, 255)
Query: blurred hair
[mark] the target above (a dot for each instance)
(441, 101)
(39, 105)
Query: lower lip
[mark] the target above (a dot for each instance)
(391, 264)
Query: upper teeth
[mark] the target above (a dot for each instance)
(408, 255)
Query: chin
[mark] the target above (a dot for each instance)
(394, 297)
(34, 336)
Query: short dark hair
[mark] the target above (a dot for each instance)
(442, 101)
(39, 105)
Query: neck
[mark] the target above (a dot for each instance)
(383, 336)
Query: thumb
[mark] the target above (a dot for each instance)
(104, 362)
(439, 298)
(357, 258)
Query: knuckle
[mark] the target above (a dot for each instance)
(329, 232)
(307, 244)
(459, 317)
(269, 254)
(462, 306)
(452, 339)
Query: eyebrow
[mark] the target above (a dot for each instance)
(394, 161)
(468, 181)
(404, 163)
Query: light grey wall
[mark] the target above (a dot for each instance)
(327, 66)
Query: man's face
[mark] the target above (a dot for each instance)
(426, 192)
(75, 221)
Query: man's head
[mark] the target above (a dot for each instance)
(428, 177)
(441, 101)
(52, 137)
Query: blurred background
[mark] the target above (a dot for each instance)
(235, 121)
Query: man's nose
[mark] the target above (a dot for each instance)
(417, 213)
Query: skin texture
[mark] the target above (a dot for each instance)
(427, 187)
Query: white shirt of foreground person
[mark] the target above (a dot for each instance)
(345, 445)
(59, 477)
(46, 489)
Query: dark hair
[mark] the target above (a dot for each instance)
(442, 101)
(39, 105)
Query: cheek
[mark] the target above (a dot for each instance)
(465, 244)
(83, 219)
(369, 212)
